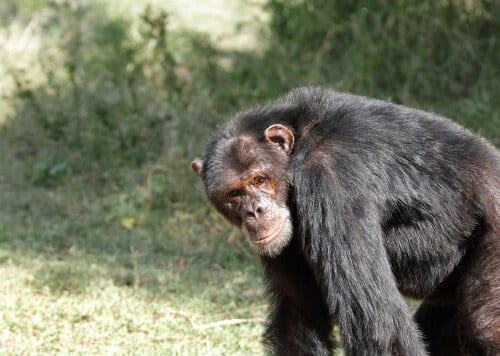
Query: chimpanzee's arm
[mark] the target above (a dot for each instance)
(299, 323)
(341, 235)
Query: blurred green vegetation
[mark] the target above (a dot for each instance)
(101, 111)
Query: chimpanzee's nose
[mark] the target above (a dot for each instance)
(253, 211)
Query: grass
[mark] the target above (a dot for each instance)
(106, 242)
(59, 307)
(84, 273)
(79, 279)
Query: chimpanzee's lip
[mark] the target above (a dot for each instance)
(267, 238)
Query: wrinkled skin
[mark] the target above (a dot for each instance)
(253, 194)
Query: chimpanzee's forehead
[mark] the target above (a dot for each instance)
(233, 159)
(242, 153)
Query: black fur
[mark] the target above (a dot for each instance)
(386, 200)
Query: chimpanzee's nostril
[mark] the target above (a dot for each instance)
(254, 213)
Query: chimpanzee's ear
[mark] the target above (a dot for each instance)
(280, 136)
(197, 166)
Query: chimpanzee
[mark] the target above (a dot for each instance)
(351, 202)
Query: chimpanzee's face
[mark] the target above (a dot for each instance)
(246, 180)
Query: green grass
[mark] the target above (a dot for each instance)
(83, 273)
(106, 242)
(70, 304)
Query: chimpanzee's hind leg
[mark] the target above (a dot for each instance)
(437, 319)
(478, 297)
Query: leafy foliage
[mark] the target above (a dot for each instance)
(416, 51)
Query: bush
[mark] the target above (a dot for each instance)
(110, 92)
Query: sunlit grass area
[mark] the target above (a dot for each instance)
(106, 242)
(69, 304)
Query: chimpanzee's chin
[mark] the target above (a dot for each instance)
(273, 245)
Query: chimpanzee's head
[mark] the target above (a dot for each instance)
(246, 179)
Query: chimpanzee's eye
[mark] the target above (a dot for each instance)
(259, 180)
(234, 193)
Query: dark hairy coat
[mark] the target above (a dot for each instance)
(385, 200)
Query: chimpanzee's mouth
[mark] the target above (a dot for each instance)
(264, 240)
